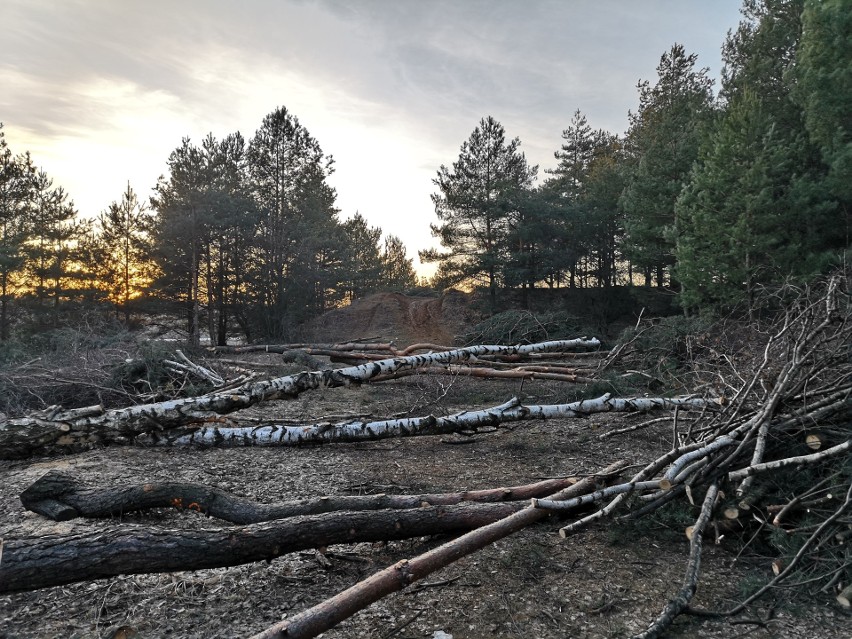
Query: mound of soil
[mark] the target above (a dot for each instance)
(399, 318)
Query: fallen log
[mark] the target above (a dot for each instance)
(511, 411)
(20, 437)
(283, 348)
(60, 496)
(491, 373)
(330, 612)
(54, 560)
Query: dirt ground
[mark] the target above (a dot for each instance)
(609, 581)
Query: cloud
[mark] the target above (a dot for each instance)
(102, 91)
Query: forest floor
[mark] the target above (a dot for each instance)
(611, 580)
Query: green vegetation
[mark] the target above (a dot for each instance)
(712, 198)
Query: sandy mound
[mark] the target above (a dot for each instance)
(399, 318)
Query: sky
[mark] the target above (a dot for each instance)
(101, 91)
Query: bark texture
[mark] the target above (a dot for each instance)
(33, 563)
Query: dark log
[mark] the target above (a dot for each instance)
(54, 560)
(330, 612)
(61, 497)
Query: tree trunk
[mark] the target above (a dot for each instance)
(329, 613)
(511, 411)
(54, 560)
(21, 436)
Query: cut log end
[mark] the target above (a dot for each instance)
(814, 441)
(845, 597)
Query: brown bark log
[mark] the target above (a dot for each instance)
(329, 613)
(54, 560)
(61, 497)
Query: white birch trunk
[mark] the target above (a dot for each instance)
(19, 436)
(511, 411)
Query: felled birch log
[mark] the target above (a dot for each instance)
(511, 411)
(19, 437)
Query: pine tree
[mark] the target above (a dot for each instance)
(477, 200)
(297, 270)
(578, 228)
(757, 209)
(364, 258)
(16, 180)
(123, 232)
(397, 268)
(178, 229)
(49, 250)
(663, 139)
(823, 72)
(228, 245)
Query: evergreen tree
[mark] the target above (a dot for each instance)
(50, 248)
(125, 269)
(477, 200)
(578, 227)
(823, 72)
(16, 181)
(757, 209)
(600, 208)
(228, 245)
(299, 257)
(397, 269)
(663, 139)
(179, 229)
(364, 261)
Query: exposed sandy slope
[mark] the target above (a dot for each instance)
(397, 317)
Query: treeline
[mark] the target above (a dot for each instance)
(238, 237)
(712, 196)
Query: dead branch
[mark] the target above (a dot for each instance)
(690, 581)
